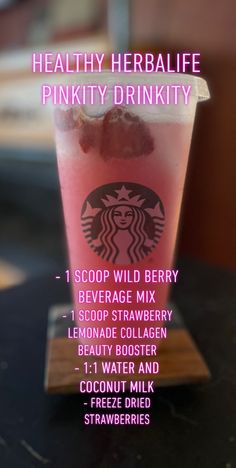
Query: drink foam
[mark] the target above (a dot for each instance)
(180, 112)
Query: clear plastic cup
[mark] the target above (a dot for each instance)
(122, 171)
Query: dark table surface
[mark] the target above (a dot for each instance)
(191, 427)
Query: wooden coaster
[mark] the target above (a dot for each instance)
(179, 359)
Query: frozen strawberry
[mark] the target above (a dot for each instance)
(89, 131)
(124, 135)
(64, 119)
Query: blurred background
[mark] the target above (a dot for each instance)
(32, 235)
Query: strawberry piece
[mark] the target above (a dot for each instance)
(124, 135)
(89, 135)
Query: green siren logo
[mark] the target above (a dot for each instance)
(122, 222)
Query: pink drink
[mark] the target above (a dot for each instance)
(122, 176)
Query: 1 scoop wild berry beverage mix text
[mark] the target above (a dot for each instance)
(122, 171)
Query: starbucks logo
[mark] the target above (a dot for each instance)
(122, 222)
